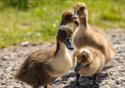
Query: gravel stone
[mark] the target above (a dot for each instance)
(12, 57)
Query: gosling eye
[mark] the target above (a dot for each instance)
(69, 17)
(85, 55)
(82, 8)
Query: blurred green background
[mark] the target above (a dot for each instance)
(37, 20)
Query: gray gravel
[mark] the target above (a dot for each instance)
(114, 77)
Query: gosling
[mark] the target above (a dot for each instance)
(90, 62)
(43, 67)
(85, 35)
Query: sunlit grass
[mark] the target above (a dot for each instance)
(40, 21)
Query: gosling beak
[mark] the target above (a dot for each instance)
(68, 43)
(78, 67)
(75, 16)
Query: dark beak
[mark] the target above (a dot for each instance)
(75, 16)
(68, 43)
(78, 67)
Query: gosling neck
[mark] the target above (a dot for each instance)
(60, 47)
(63, 22)
(83, 21)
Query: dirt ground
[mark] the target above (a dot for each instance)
(114, 77)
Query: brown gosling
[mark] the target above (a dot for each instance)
(85, 35)
(90, 62)
(42, 67)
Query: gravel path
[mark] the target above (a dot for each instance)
(11, 58)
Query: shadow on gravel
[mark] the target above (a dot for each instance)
(85, 82)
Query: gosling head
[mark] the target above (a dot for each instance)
(64, 36)
(84, 57)
(80, 10)
(67, 17)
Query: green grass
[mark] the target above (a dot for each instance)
(40, 21)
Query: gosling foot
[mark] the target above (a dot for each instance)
(94, 84)
(76, 84)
